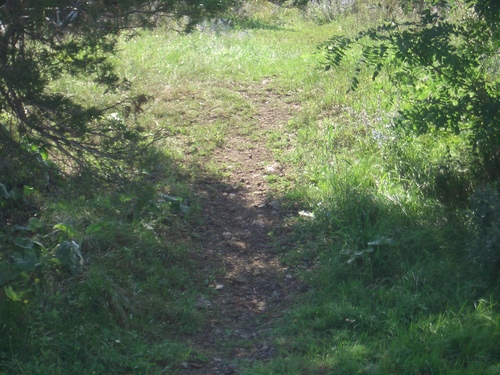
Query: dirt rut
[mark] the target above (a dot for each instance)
(243, 231)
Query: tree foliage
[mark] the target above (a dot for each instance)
(42, 39)
(445, 64)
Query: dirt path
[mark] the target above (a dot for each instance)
(252, 288)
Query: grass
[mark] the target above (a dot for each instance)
(391, 287)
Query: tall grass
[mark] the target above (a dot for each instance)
(392, 290)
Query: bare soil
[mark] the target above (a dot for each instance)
(242, 233)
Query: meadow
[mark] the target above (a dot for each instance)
(392, 248)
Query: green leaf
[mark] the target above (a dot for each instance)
(25, 260)
(4, 193)
(94, 228)
(8, 272)
(34, 224)
(24, 242)
(175, 203)
(44, 154)
(67, 229)
(354, 84)
(27, 190)
(9, 292)
(68, 254)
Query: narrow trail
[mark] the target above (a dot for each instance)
(252, 288)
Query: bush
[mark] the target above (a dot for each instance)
(441, 63)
